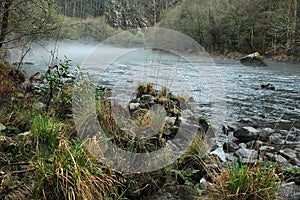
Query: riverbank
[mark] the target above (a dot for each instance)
(43, 158)
(275, 57)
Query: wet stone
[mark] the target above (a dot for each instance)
(277, 158)
(246, 153)
(288, 154)
(133, 106)
(288, 135)
(248, 122)
(230, 147)
(264, 134)
(266, 149)
(228, 129)
(147, 100)
(220, 153)
(277, 138)
(246, 134)
(187, 114)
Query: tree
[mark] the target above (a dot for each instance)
(23, 21)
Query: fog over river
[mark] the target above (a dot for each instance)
(234, 95)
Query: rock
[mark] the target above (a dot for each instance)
(187, 114)
(133, 106)
(204, 184)
(264, 134)
(181, 191)
(267, 87)
(247, 154)
(254, 59)
(255, 144)
(170, 121)
(277, 158)
(246, 134)
(2, 127)
(248, 122)
(220, 153)
(266, 149)
(147, 100)
(243, 145)
(230, 147)
(297, 162)
(226, 129)
(288, 154)
(291, 191)
(288, 135)
(277, 139)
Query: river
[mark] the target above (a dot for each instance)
(236, 92)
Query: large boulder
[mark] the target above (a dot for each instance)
(254, 59)
(246, 134)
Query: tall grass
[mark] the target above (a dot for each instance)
(246, 182)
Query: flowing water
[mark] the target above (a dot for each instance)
(225, 91)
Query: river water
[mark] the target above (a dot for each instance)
(225, 91)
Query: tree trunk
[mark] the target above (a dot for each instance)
(295, 26)
(5, 19)
(154, 14)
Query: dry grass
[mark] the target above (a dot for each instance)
(72, 173)
(244, 182)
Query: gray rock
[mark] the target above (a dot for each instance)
(204, 184)
(181, 191)
(220, 153)
(187, 114)
(255, 144)
(297, 162)
(278, 158)
(246, 134)
(133, 106)
(227, 129)
(246, 153)
(278, 139)
(2, 127)
(288, 154)
(264, 134)
(170, 120)
(253, 59)
(266, 149)
(288, 135)
(230, 147)
(147, 99)
(291, 191)
(248, 122)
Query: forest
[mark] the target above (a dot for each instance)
(224, 27)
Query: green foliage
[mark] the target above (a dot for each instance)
(46, 131)
(224, 26)
(28, 20)
(86, 29)
(57, 84)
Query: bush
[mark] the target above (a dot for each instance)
(86, 29)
